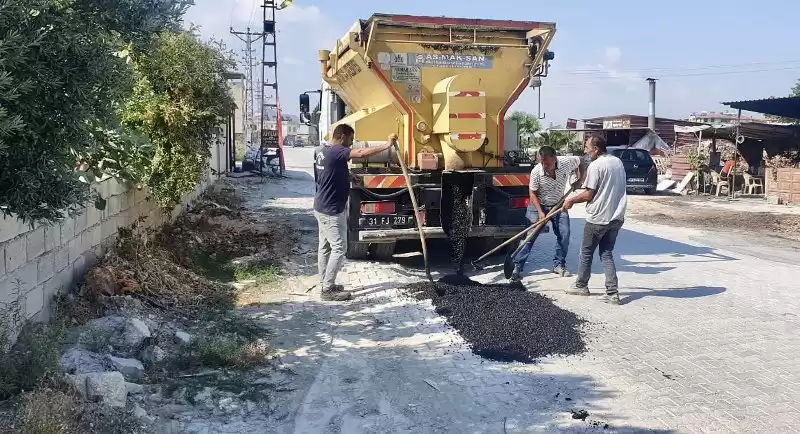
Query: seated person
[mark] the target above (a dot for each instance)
(727, 168)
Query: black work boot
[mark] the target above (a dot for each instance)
(332, 294)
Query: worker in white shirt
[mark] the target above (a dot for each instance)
(548, 183)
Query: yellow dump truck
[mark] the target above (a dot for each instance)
(444, 86)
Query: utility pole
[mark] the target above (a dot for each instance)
(269, 81)
(248, 38)
(651, 114)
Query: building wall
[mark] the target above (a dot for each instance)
(38, 262)
(783, 186)
(635, 126)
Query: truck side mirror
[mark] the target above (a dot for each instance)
(305, 105)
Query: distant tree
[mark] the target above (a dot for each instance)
(562, 141)
(527, 126)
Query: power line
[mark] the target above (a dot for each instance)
(248, 38)
(252, 13)
(695, 68)
(604, 79)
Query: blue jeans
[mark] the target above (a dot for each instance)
(560, 224)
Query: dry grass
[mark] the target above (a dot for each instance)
(188, 265)
(224, 351)
(34, 356)
(48, 411)
(56, 409)
(161, 280)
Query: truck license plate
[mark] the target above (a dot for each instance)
(635, 179)
(386, 220)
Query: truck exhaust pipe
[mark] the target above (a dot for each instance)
(323, 56)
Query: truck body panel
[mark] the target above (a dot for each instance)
(443, 85)
(446, 82)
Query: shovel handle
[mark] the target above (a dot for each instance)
(538, 226)
(417, 215)
(559, 205)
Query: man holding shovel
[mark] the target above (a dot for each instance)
(332, 176)
(548, 184)
(604, 192)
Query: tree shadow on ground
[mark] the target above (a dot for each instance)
(386, 364)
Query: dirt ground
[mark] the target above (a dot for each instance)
(745, 216)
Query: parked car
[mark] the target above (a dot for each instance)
(640, 169)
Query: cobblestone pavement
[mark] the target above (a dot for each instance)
(705, 341)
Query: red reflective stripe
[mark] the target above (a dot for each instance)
(445, 21)
(468, 93)
(510, 180)
(397, 182)
(476, 136)
(373, 181)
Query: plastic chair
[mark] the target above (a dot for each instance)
(719, 183)
(752, 184)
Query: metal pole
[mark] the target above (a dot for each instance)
(732, 172)
(232, 145)
(651, 113)
(248, 114)
(263, 77)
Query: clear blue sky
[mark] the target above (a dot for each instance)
(703, 52)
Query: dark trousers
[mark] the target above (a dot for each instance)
(602, 238)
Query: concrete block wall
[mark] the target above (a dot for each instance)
(783, 186)
(38, 262)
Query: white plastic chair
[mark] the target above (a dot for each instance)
(752, 184)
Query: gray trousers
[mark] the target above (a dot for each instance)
(332, 247)
(602, 238)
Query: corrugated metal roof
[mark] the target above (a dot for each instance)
(788, 107)
(756, 130)
(639, 117)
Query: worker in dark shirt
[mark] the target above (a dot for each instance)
(332, 176)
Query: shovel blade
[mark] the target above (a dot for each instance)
(508, 264)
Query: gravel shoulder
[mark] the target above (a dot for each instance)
(747, 217)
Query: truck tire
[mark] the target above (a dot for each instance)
(383, 251)
(355, 249)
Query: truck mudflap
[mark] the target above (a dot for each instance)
(391, 235)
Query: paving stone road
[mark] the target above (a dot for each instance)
(706, 341)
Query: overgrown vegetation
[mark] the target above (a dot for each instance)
(55, 408)
(148, 276)
(186, 270)
(94, 88)
(42, 401)
(32, 358)
(227, 350)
